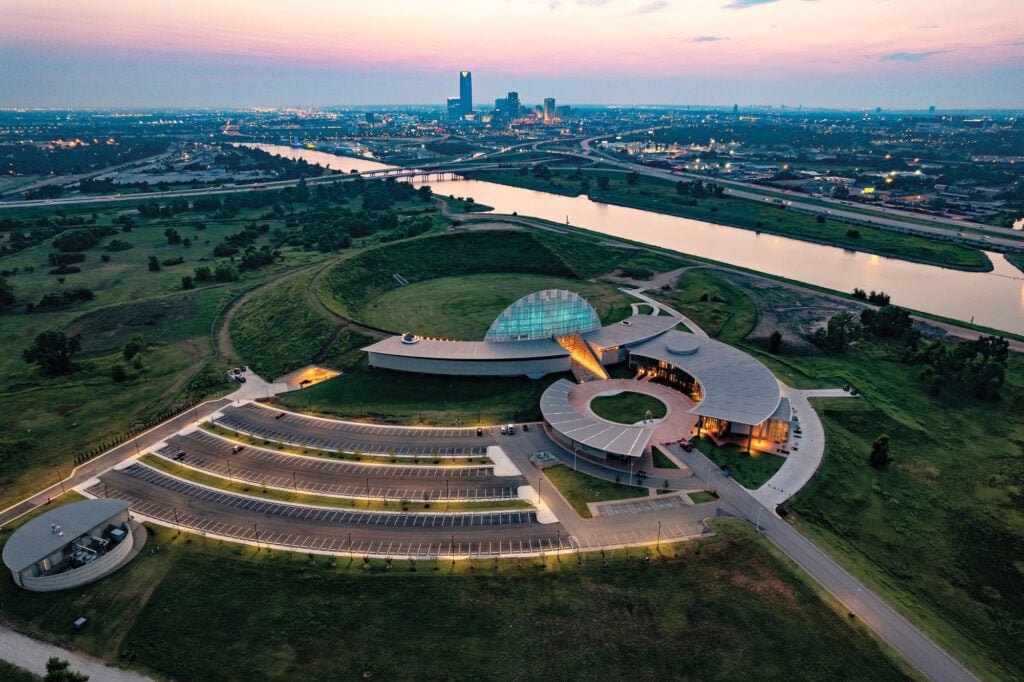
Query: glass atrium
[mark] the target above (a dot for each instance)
(543, 315)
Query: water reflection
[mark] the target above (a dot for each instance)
(992, 299)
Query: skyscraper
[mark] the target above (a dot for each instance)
(512, 102)
(549, 108)
(466, 92)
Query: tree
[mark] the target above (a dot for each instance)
(52, 351)
(633, 178)
(59, 670)
(186, 282)
(6, 292)
(880, 455)
(425, 193)
(775, 342)
(135, 345)
(118, 373)
(154, 264)
(603, 183)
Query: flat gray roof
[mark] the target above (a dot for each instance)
(736, 386)
(434, 349)
(618, 439)
(631, 330)
(35, 539)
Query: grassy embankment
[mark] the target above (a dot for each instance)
(579, 489)
(660, 196)
(939, 533)
(257, 489)
(478, 280)
(627, 407)
(242, 614)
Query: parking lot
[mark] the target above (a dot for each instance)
(189, 506)
(319, 475)
(325, 434)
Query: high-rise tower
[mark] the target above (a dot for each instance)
(549, 108)
(466, 92)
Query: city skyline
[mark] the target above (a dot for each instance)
(816, 53)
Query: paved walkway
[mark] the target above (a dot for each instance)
(32, 655)
(806, 449)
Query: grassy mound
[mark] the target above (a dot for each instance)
(352, 284)
(627, 407)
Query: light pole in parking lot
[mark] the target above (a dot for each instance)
(295, 485)
(659, 535)
(367, 488)
(175, 510)
(229, 472)
(447, 492)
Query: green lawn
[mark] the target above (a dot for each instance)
(661, 461)
(579, 489)
(725, 608)
(463, 307)
(718, 307)
(751, 471)
(702, 497)
(627, 407)
(401, 398)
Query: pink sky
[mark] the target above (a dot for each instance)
(734, 40)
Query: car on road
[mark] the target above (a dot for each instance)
(526, 427)
(504, 429)
(511, 429)
(479, 431)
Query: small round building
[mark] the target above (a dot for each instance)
(72, 545)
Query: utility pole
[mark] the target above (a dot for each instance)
(659, 535)
(257, 529)
(61, 480)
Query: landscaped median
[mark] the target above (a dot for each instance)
(750, 470)
(579, 489)
(427, 460)
(257, 489)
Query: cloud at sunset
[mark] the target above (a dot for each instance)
(770, 47)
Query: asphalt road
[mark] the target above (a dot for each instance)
(921, 651)
(341, 478)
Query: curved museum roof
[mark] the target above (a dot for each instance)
(543, 315)
(736, 386)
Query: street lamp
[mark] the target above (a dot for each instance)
(61, 479)
(295, 485)
(659, 535)
(257, 529)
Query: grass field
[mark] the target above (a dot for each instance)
(579, 489)
(627, 407)
(751, 471)
(402, 398)
(661, 461)
(464, 307)
(718, 307)
(724, 608)
(657, 195)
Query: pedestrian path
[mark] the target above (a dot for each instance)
(32, 655)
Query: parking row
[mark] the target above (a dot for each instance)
(336, 426)
(313, 439)
(327, 515)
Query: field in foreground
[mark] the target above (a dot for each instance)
(721, 609)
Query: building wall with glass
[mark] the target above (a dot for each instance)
(543, 315)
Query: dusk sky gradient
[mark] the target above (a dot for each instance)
(816, 53)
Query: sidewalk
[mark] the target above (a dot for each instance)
(32, 655)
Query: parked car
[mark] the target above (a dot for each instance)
(237, 448)
(278, 415)
(479, 431)
(179, 455)
(504, 429)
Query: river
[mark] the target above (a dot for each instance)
(993, 299)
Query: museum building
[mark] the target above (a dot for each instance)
(556, 331)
